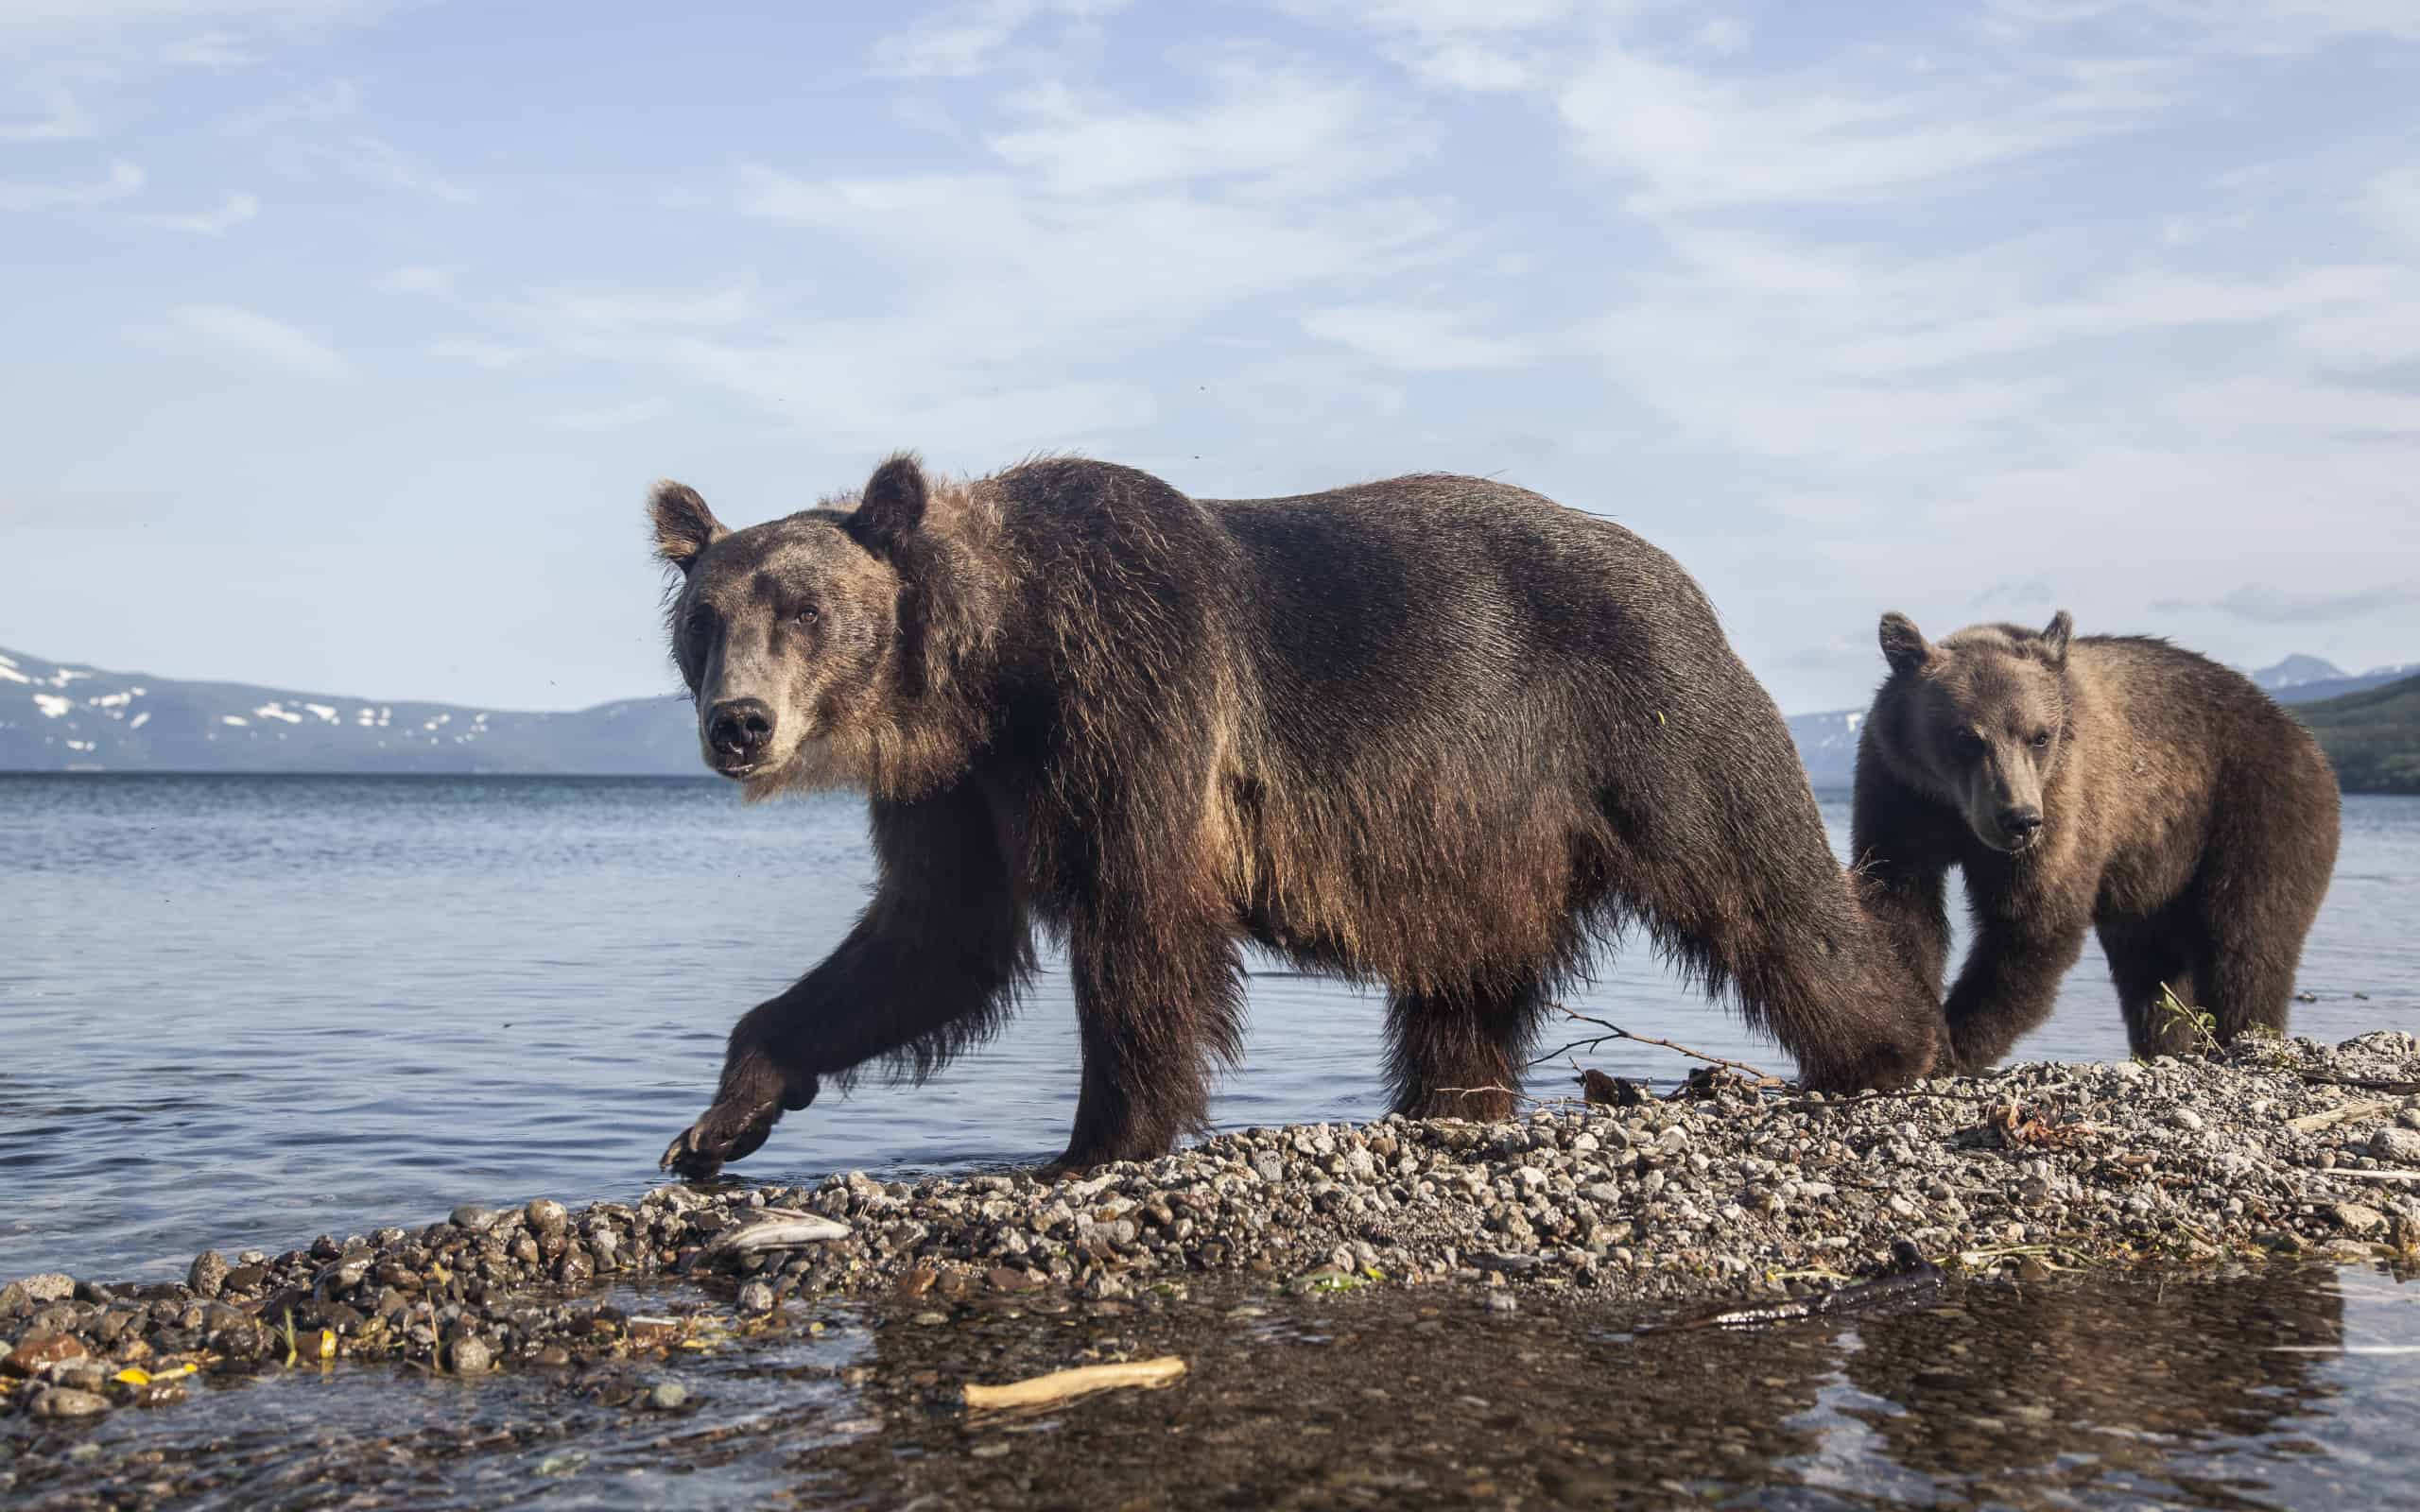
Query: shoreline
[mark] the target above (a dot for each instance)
(2271, 1149)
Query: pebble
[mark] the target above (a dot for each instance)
(474, 1217)
(755, 1298)
(470, 1356)
(669, 1396)
(2357, 1218)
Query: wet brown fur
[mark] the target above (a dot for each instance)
(2187, 818)
(1435, 732)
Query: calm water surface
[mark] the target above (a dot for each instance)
(240, 1011)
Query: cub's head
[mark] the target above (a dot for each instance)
(1978, 721)
(787, 632)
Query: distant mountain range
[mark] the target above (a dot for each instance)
(58, 715)
(63, 715)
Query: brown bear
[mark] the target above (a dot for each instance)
(2108, 782)
(1436, 733)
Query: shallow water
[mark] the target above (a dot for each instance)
(243, 1011)
(2278, 1386)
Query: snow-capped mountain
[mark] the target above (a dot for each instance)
(58, 715)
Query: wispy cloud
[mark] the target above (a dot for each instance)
(1692, 139)
(217, 51)
(1417, 340)
(234, 211)
(65, 122)
(324, 125)
(494, 355)
(122, 180)
(622, 311)
(418, 278)
(2274, 605)
(617, 418)
(260, 337)
(961, 40)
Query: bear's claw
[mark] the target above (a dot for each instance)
(723, 1135)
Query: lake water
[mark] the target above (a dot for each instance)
(241, 1011)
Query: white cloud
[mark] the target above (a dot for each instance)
(258, 336)
(961, 40)
(1723, 34)
(621, 312)
(232, 213)
(2393, 201)
(1417, 340)
(1694, 140)
(1262, 122)
(123, 179)
(322, 124)
(215, 50)
(66, 122)
(489, 354)
(419, 277)
(617, 418)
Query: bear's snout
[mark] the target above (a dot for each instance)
(737, 732)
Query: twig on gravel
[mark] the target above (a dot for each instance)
(2367, 1083)
(1614, 1031)
(2371, 1176)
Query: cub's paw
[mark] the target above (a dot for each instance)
(728, 1132)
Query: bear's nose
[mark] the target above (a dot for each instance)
(739, 727)
(2020, 823)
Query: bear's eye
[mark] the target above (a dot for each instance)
(2041, 739)
(701, 622)
(806, 616)
(1967, 743)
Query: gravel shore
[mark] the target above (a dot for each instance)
(1730, 1195)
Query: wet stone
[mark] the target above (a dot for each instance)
(38, 1351)
(671, 1395)
(474, 1217)
(755, 1298)
(65, 1401)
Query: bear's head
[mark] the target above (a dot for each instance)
(1978, 721)
(790, 633)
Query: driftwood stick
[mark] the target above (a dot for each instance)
(1060, 1385)
(2343, 1113)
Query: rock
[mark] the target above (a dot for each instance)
(755, 1298)
(2401, 1146)
(470, 1356)
(40, 1351)
(545, 1217)
(1500, 1303)
(207, 1274)
(2355, 1218)
(670, 1396)
(476, 1218)
(64, 1401)
(1508, 1264)
(50, 1286)
(2185, 1119)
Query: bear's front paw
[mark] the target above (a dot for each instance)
(730, 1131)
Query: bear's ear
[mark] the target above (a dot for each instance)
(1903, 645)
(893, 505)
(2054, 638)
(684, 527)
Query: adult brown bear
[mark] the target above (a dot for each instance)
(1437, 732)
(2109, 781)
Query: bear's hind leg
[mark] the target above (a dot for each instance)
(1461, 1054)
(2148, 964)
(2258, 892)
(1155, 1009)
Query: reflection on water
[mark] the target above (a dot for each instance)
(2259, 1387)
(243, 1011)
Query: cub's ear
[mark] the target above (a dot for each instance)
(1903, 645)
(684, 527)
(2054, 638)
(893, 505)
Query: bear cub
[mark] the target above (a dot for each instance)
(2115, 783)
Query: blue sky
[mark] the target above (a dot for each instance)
(344, 339)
